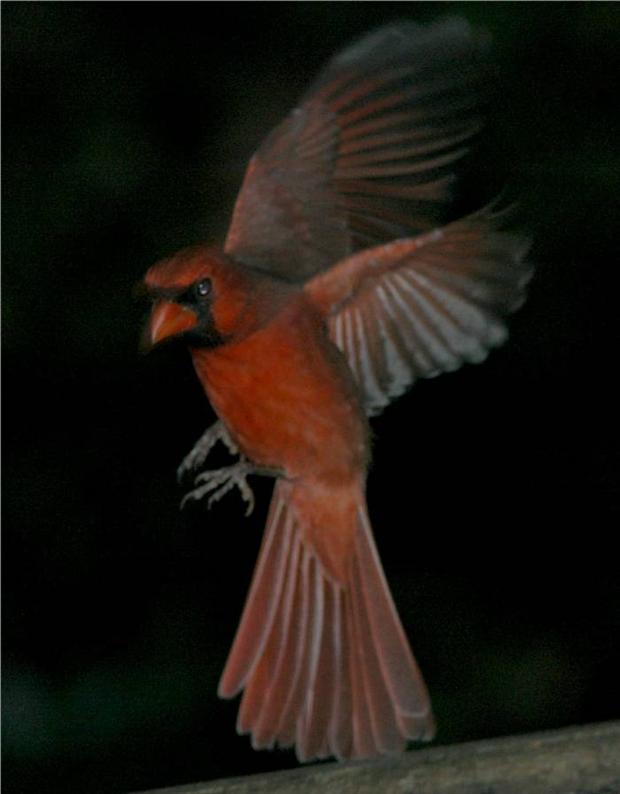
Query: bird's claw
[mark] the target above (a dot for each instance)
(219, 482)
(202, 448)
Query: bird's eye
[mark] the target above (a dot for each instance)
(203, 287)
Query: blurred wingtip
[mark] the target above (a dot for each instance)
(400, 36)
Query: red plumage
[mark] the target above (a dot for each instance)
(337, 287)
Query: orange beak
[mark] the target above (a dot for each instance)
(168, 319)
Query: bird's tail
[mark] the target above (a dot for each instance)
(325, 666)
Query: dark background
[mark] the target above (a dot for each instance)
(494, 491)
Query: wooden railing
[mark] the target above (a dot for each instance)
(584, 760)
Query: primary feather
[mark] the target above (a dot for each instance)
(370, 153)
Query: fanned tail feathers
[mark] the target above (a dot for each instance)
(325, 667)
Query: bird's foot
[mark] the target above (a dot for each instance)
(202, 448)
(218, 482)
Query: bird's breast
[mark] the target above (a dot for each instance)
(288, 399)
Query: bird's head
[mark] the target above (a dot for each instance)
(198, 295)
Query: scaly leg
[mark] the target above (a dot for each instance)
(204, 445)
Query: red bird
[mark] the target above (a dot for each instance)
(337, 287)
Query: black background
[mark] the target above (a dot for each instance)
(494, 491)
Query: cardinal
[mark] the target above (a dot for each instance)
(341, 281)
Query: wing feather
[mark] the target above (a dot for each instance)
(365, 342)
(388, 119)
(429, 304)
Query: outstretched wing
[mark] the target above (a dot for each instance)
(368, 156)
(420, 306)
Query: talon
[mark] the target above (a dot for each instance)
(219, 482)
(202, 448)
